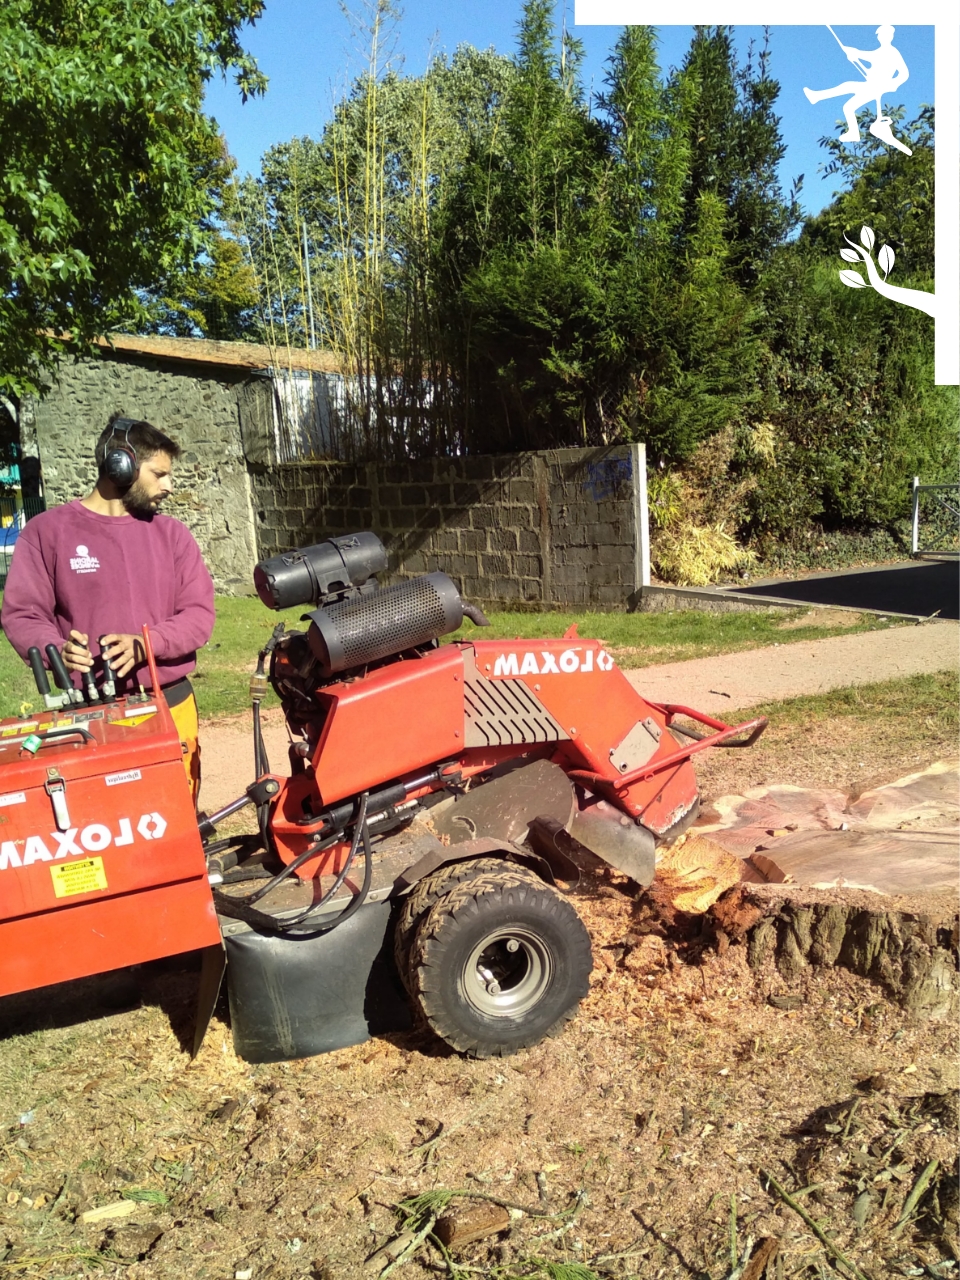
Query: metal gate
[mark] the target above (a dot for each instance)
(939, 515)
(15, 511)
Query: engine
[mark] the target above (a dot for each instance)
(355, 623)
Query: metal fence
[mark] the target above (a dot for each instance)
(938, 516)
(15, 511)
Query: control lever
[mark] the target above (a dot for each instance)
(50, 700)
(62, 675)
(91, 692)
(109, 689)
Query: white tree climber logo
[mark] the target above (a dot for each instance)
(83, 561)
(887, 73)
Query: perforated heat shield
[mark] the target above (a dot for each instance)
(364, 630)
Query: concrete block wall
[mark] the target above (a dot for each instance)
(207, 410)
(555, 529)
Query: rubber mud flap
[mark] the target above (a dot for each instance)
(296, 997)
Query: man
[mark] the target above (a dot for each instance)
(103, 565)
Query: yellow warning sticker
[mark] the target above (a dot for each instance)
(12, 730)
(78, 877)
(130, 721)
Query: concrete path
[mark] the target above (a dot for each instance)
(737, 680)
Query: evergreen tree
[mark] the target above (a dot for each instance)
(518, 256)
(735, 148)
(677, 312)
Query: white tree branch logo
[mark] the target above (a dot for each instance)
(862, 253)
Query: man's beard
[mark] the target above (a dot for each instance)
(138, 502)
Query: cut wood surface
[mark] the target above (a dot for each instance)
(898, 838)
(693, 872)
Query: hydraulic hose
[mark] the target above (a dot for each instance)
(360, 898)
(260, 762)
(261, 765)
(359, 833)
(243, 908)
(298, 861)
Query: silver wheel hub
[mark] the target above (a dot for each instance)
(507, 973)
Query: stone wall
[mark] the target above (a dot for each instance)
(214, 412)
(536, 530)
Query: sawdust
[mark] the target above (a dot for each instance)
(674, 1087)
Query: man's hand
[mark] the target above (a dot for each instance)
(124, 652)
(76, 655)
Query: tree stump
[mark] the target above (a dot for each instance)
(907, 945)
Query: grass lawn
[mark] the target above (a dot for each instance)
(645, 639)
(636, 639)
(848, 739)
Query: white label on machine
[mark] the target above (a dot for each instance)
(528, 664)
(13, 797)
(130, 775)
(93, 838)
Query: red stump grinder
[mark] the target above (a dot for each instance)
(408, 860)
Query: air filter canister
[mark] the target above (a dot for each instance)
(307, 574)
(372, 627)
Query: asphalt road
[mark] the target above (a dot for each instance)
(922, 587)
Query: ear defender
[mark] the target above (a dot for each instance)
(120, 463)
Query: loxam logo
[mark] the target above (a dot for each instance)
(547, 664)
(78, 841)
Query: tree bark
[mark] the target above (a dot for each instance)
(908, 946)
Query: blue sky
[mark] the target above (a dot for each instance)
(309, 52)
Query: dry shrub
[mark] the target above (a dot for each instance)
(716, 482)
(692, 511)
(693, 555)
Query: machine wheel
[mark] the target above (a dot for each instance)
(430, 890)
(499, 963)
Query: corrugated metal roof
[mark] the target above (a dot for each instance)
(239, 355)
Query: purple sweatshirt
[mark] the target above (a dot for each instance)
(73, 569)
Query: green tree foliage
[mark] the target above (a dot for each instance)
(886, 190)
(735, 147)
(699, 212)
(520, 258)
(101, 138)
(502, 264)
(214, 295)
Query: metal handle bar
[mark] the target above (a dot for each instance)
(753, 728)
(51, 737)
(756, 726)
